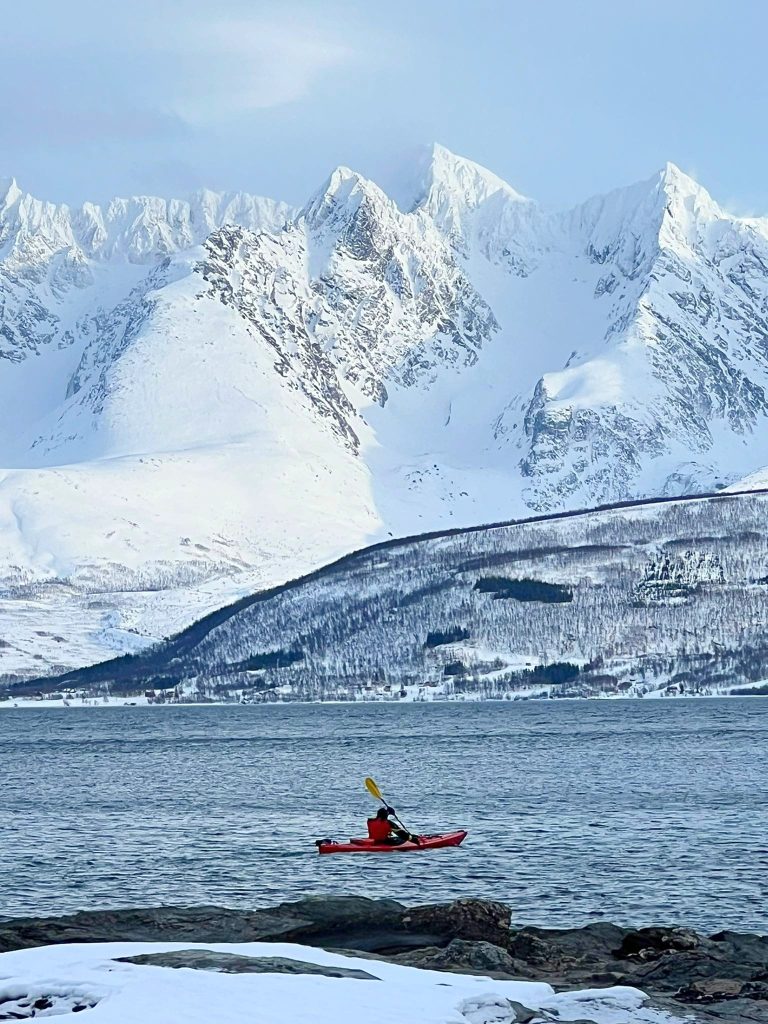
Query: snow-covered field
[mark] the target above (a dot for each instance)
(71, 978)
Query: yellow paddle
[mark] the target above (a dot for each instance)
(375, 792)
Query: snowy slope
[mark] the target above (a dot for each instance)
(199, 398)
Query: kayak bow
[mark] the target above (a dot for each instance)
(369, 846)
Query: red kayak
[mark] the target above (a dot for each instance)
(370, 846)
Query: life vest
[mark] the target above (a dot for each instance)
(378, 829)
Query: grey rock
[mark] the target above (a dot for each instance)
(479, 920)
(523, 1014)
(349, 922)
(597, 940)
(231, 963)
(176, 924)
(710, 990)
(463, 956)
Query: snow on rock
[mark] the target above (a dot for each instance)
(66, 978)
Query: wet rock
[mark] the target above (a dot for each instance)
(650, 943)
(709, 990)
(231, 963)
(748, 949)
(734, 1011)
(594, 943)
(463, 957)
(352, 921)
(479, 920)
(349, 922)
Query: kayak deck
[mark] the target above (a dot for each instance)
(370, 846)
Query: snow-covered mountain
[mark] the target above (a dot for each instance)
(199, 398)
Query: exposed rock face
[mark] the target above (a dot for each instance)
(723, 975)
(720, 977)
(53, 256)
(353, 296)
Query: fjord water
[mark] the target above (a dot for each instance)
(632, 811)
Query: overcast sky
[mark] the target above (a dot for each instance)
(563, 98)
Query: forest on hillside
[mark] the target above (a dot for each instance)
(629, 600)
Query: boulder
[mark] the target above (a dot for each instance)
(351, 922)
(709, 990)
(479, 920)
(462, 956)
(748, 949)
(594, 943)
(650, 943)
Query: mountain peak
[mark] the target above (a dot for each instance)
(342, 194)
(474, 181)
(450, 189)
(688, 207)
(9, 192)
(140, 227)
(437, 174)
(676, 182)
(672, 174)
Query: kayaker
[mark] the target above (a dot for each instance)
(383, 830)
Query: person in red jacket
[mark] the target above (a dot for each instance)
(383, 830)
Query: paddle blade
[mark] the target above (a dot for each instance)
(373, 789)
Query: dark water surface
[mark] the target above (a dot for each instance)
(633, 811)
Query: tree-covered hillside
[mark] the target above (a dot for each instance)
(633, 598)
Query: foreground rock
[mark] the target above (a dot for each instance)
(349, 922)
(231, 963)
(717, 977)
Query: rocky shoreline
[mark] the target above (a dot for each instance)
(720, 977)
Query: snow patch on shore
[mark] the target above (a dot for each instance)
(88, 976)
